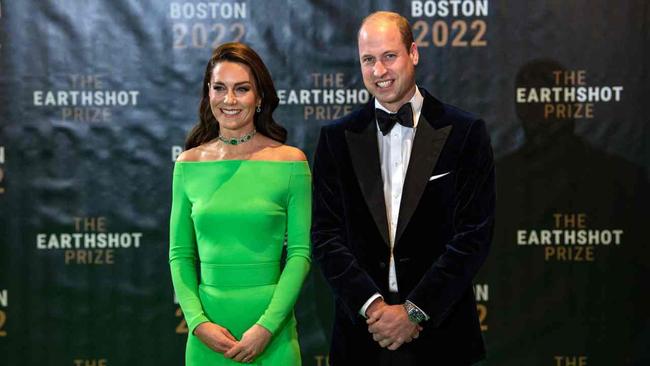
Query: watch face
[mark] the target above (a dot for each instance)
(414, 315)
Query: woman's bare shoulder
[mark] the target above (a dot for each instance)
(288, 153)
(193, 154)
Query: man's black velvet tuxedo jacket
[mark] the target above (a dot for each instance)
(443, 233)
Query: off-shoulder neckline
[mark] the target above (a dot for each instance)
(239, 161)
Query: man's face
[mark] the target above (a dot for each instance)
(388, 68)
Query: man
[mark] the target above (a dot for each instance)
(403, 212)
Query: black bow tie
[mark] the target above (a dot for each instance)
(386, 121)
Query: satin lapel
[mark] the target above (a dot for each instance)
(427, 145)
(364, 153)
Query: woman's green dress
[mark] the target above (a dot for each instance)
(227, 229)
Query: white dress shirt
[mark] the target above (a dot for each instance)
(394, 155)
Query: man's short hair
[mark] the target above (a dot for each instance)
(401, 23)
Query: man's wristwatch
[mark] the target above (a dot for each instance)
(415, 315)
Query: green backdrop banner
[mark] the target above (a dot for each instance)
(96, 98)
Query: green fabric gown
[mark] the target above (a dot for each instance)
(227, 229)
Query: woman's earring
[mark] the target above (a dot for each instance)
(259, 109)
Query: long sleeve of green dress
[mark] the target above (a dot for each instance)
(298, 247)
(183, 255)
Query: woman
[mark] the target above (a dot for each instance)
(237, 190)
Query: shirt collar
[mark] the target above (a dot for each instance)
(416, 103)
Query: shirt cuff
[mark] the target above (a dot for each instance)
(426, 317)
(367, 304)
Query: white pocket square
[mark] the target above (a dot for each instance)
(438, 176)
